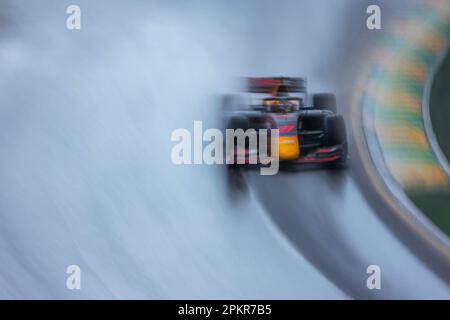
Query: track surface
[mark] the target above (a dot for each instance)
(86, 176)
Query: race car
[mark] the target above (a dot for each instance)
(308, 133)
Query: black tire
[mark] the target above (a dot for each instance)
(325, 101)
(342, 162)
(235, 123)
(335, 131)
(336, 134)
(238, 122)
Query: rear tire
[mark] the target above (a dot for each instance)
(232, 102)
(325, 101)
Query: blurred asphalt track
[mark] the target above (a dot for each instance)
(86, 176)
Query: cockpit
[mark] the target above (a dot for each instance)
(282, 105)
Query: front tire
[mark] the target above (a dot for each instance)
(335, 130)
(335, 135)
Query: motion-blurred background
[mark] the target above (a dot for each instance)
(86, 177)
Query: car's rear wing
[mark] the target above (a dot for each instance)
(267, 85)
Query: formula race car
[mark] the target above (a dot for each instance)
(307, 133)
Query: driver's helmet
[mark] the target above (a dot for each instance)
(280, 91)
(277, 102)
